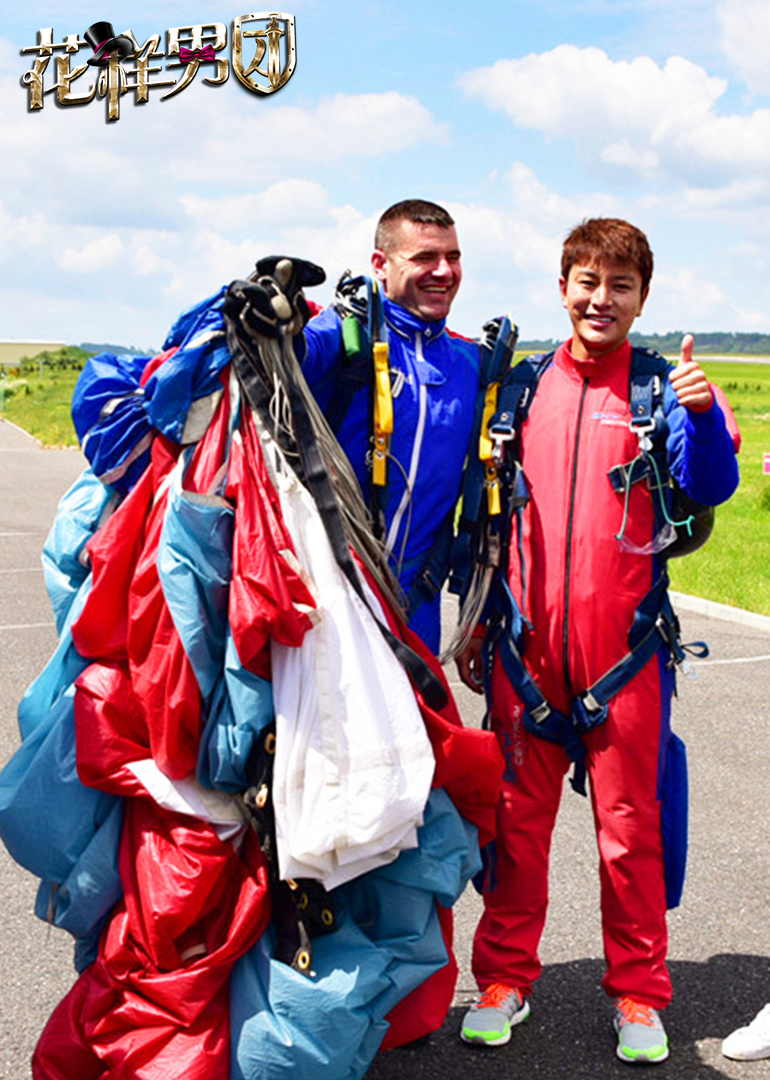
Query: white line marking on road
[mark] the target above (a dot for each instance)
(29, 626)
(735, 660)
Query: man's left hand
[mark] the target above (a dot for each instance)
(689, 382)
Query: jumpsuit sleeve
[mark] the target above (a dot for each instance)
(702, 452)
(323, 341)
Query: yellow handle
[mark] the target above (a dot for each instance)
(490, 408)
(383, 413)
(486, 447)
(492, 485)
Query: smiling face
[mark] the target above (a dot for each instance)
(420, 270)
(602, 299)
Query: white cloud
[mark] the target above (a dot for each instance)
(99, 254)
(746, 40)
(653, 121)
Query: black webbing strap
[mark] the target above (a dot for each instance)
(315, 476)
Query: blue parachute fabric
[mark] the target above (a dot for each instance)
(192, 372)
(108, 412)
(189, 320)
(105, 380)
(447, 857)
(673, 819)
(80, 512)
(58, 829)
(388, 941)
(115, 416)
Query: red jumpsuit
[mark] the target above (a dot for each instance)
(580, 593)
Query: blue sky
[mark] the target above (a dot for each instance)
(521, 117)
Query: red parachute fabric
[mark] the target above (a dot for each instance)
(268, 596)
(155, 1002)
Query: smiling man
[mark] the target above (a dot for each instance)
(584, 670)
(433, 376)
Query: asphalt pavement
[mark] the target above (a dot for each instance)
(719, 937)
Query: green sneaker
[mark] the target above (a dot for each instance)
(642, 1039)
(488, 1022)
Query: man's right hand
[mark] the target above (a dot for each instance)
(470, 665)
(272, 298)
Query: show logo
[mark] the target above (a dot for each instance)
(263, 57)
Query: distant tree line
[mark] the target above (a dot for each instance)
(716, 342)
(70, 358)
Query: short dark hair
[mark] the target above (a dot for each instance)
(420, 211)
(607, 240)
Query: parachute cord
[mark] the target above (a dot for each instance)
(687, 523)
(470, 612)
(410, 503)
(281, 369)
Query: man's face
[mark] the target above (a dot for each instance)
(602, 299)
(421, 270)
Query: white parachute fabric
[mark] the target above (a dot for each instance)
(353, 764)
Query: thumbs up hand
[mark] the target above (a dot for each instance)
(688, 380)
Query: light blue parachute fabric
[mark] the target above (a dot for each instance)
(326, 1027)
(195, 558)
(239, 708)
(388, 941)
(81, 511)
(56, 678)
(195, 566)
(58, 829)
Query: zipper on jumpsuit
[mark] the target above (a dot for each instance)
(568, 554)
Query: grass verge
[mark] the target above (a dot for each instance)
(732, 568)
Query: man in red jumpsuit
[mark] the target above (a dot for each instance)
(578, 586)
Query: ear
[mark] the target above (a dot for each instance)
(563, 291)
(643, 301)
(380, 265)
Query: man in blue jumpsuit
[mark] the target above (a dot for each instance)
(434, 378)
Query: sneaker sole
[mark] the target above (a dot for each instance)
(479, 1040)
(642, 1058)
(746, 1055)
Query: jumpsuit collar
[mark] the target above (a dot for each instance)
(408, 325)
(590, 368)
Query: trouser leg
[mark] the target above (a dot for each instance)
(624, 761)
(516, 892)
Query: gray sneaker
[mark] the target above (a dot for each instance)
(488, 1022)
(642, 1039)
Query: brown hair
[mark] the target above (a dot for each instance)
(417, 210)
(607, 240)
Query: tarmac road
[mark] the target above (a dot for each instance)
(720, 937)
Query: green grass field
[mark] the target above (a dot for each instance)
(732, 568)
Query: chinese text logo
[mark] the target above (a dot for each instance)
(264, 55)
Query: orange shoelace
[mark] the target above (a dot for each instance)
(495, 995)
(636, 1013)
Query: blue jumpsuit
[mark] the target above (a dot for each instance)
(434, 380)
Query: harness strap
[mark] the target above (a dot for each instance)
(434, 568)
(655, 626)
